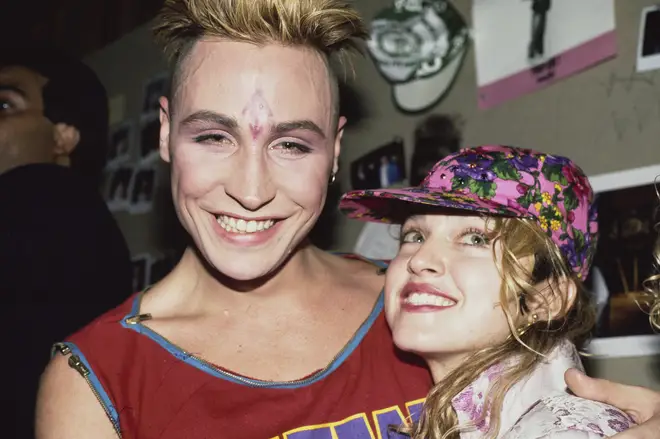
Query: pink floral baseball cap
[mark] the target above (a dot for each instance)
(501, 181)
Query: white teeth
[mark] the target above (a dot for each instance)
(428, 299)
(234, 225)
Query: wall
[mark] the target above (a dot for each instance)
(606, 118)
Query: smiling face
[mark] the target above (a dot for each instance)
(443, 289)
(252, 139)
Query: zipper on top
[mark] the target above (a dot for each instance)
(76, 363)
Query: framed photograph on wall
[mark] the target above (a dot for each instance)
(648, 44)
(628, 211)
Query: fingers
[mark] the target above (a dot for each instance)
(648, 430)
(639, 402)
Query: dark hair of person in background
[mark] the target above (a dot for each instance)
(437, 136)
(73, 95)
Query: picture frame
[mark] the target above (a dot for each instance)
(609, 343)
(648, 44)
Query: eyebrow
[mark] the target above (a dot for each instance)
(12, 88)
(206, 117)
(308, 125)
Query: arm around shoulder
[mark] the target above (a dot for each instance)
(67, 407)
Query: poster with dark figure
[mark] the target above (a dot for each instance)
(543, 41)
(118, 188)
(153, 90)
(540, 9)
(143, 189)
(380, 168)
(140, 272)
(119, 149)
(149, 138)
(648, 46)
(160, 267)
(624, 258)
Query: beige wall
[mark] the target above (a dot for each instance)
(607, 119)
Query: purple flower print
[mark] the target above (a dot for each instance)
(525, 163)
(556, 161)
(571, 255)
(617, 425)
(474, 166)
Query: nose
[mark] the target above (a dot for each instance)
(250, 183)
(427, 260)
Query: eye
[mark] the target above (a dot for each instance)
(292, 148)
(411, 237)
(213, 139)
(474, 238)
(6, 105)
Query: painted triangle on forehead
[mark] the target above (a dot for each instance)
(258, 114)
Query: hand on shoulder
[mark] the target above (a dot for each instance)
(642, 404)
(67, 407)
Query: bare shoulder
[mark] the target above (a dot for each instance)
(67, 407)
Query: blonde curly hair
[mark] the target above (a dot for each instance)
(518, 239)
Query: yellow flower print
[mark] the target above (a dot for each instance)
(542, 158)
(544, 224)
(555, 225)
(538, 206)
(547, 198)
(557, 212)
(557, 187)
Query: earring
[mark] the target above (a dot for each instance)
(333, 177)
(524, 329)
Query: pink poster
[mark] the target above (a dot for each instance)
(524, 45)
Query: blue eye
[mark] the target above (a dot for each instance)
(474, 238)
(411, 236)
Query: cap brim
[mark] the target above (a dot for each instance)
(392, 205)
(422, 93)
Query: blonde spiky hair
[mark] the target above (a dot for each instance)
(331, 27)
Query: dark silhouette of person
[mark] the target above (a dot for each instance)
(540, 9)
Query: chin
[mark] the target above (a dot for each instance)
(417, 342)
(245, 267)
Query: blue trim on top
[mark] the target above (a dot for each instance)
(98, 387)
(188, 359)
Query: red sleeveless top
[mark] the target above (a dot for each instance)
(151, 389)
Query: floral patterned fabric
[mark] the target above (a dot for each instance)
(539, 407)
(504, 181)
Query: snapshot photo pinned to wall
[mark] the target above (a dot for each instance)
(118, 187)
(382, 167)
(628, 211)
(648, 45)
(119, 148)
(141, 267)
(149, 137)
(153, 90)
(142, 190)
(545, 41)
(419, 48)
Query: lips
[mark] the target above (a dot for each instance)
(424, 297)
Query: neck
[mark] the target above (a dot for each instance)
(199, 288)
(442, 365)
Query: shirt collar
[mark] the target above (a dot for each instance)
(546, 379)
